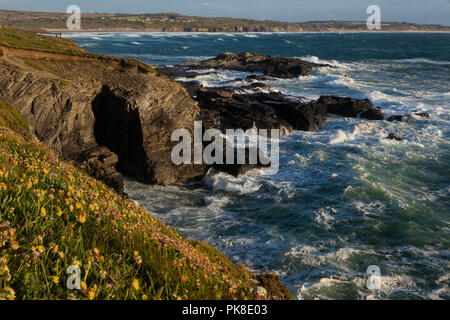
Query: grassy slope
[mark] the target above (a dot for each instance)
(53, 215)
(20, 39)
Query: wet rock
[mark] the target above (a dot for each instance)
(223, 108)
(177, 72)
(372, 114)
(191, 87)
(423, 114)
(254, 77)
(278, 67)
(351, 107)
(393, 136)
(235, 169)
(109, 119)
(400, 118)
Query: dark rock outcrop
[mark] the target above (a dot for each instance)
(255, 77)
(114, 120)
(400, 118)
(277, 67)
(423, 114)
(108, 118)
(177, 72)
(223, 108)
(350, 107)
(393, 136)
(101, 163)
(236, 169)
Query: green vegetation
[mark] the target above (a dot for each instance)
(143, 67)
(273, 286)
(60, 82)
(177, 22)
(34, 64)
(11, 118)
(32, 41)
(53, 215)
(27, 40)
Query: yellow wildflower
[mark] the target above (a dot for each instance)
(91, 292)
(58, 211)
(43, 212)
(8, 293)
(135, 284)
(14, 244)
(55, 279)
(82, 217)
(144, 297)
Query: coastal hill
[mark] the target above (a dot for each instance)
(173, 22)
(54, 214)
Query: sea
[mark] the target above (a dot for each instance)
(345, 200)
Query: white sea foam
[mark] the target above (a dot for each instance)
(342, 136)
(423, 60)
(132, 35)
(317, 60)
(225, 182)
(325, 218)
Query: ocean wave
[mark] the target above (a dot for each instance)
(314, 59)
(342, 136)
(132, 35)
(223, 182)
(422, 60)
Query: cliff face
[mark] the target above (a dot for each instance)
(108, 116)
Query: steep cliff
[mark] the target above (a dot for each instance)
(110, 115)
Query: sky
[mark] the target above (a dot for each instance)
(416, 11)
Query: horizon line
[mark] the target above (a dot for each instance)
(217, 17)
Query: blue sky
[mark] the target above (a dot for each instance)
(419, 11)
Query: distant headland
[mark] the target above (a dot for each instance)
(174, 22)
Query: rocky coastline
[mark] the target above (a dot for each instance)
(115, 119)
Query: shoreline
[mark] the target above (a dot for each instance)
(65, 31)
